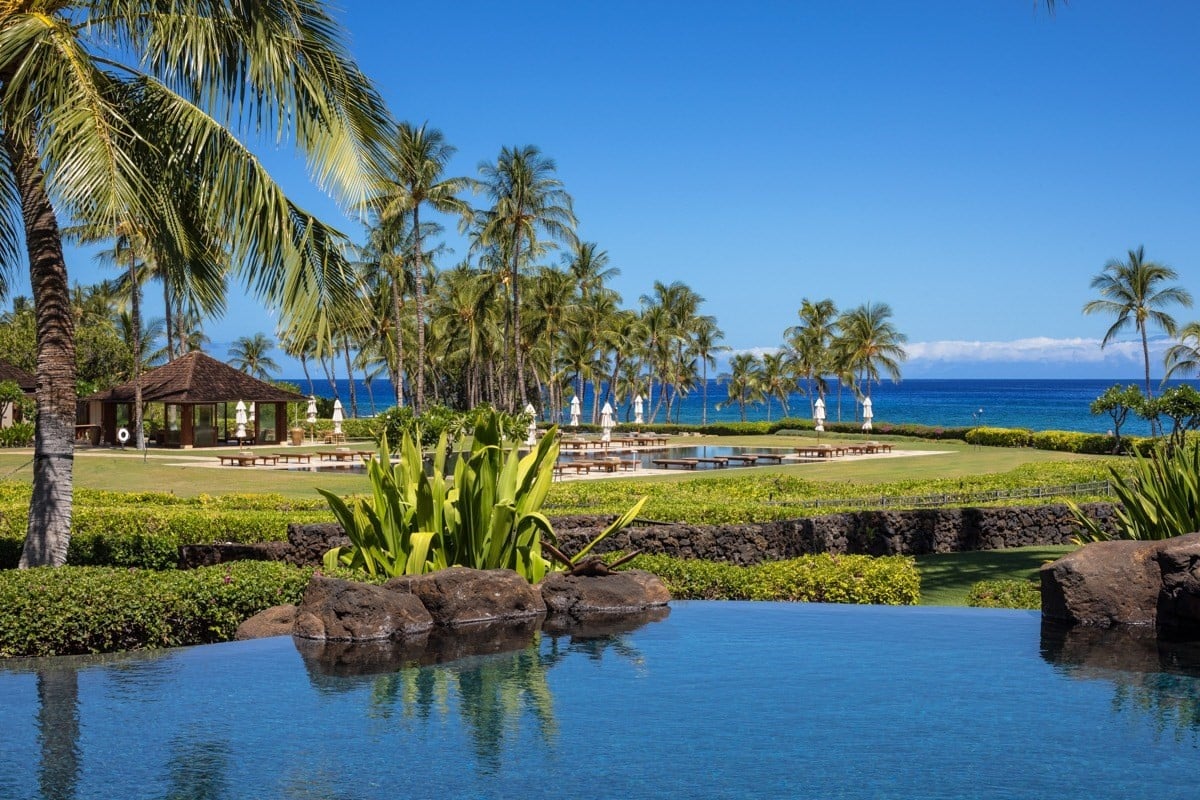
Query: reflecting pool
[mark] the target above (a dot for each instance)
(714, 700)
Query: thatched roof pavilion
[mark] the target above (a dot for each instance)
(196, 390)
(27, 382)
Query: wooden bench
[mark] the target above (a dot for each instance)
(268, 460)
(820, 451)
(338, 455)
(879, 447)
(716, 461)
(775, 457)
(686, 463)
(749, 460)
(335, 438)
(300, 458)
(238, 460)
(629, 464)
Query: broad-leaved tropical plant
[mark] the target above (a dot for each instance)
(489, 518)
(1159, 500)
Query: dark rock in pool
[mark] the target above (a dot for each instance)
(620, 593)
(347, 611)
(275, 621)
(458, 595)
(602, 626)
(1150, 583)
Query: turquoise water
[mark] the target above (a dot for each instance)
(1037, 404)
(717, 700)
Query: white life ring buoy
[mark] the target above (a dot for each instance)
(123, 435)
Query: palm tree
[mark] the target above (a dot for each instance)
(809, 344)
(705, 336)
(251, 354)
(776, 381)
(743, 383)
(418, 158)
(526, 199)
(1184, 355)
(1132, 291)
(85, 84)
(871, 344)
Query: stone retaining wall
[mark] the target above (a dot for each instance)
(876, 533)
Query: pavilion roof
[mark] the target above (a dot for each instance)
(197, 378)
(27, 382)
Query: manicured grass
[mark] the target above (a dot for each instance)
(947, 577)
(183, 471)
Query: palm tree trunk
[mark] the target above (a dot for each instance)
(704, 394)
(419, 303)
(1154, 427)
(304, 366)
(516, 323)
(350, 377)
(49, 531)
(139, 438)
(168, 318)
(398, 379)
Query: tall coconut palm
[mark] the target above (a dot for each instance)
(809, 344)
(705, 338)
(1134, 293)
(418, 157)
(871, 343)
(742, 382)
(84, 84)
(252, 355)
(526, 200)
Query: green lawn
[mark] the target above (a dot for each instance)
(191, 472)
(947, 577)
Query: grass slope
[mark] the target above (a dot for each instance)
(947, 577)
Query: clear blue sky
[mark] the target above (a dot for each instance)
(973, 164)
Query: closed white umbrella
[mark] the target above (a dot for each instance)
(312, 410)
(240, 417)
(868, 414)
(606, 423)
(637, 409)
(337, 416)
(819, 416)
(575, 411)
(531, 438)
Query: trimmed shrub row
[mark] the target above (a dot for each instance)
(148, 537)
(1060, 441)
(71, 610)
(822, 578)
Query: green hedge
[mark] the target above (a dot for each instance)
(148, 536)
(72, 610)
(823, 578)
(1007, 593)
(1061, 441)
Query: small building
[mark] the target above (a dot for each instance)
(8, 372)
(198, 394)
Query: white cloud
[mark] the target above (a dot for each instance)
(1037, 350)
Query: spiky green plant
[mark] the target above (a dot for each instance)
(490, 518)
(1159, 499)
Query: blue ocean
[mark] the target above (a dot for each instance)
(1039, 404)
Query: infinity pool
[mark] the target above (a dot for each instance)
(717, 700)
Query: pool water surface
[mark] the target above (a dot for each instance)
(716, 700)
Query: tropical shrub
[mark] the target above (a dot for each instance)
(19, 434)
(1158, 499)
(65, 610)
(1008, 593)
(821, 578)
(491, 518)
(1000, 437)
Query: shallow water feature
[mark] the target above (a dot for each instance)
(717, 700)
